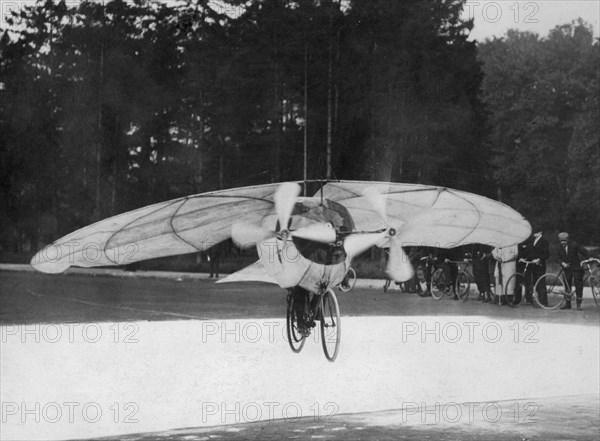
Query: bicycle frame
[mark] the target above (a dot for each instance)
(560, 286)
(326, 311)
(523, 284)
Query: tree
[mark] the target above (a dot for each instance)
(542, 95)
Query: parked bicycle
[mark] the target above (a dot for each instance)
(441, 281)
(463, 279)
(424, 272)
(558, 289)
(520, 283)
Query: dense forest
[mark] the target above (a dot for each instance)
(106, 107)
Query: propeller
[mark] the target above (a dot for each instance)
(399, 267)
(247, 234)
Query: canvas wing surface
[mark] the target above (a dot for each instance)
(432, 216)
(179, 226)
(253, 273)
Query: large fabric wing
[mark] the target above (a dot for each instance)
(253, 273)
(432, 216)
(180, 226)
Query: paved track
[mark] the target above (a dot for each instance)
(29, 297)
(196, 358)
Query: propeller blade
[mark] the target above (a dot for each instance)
(361, 242)
(316, 232)
(377, 202)
(246, 235)
(285, 199)
(399, 267)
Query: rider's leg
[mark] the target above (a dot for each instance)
(570, 279)
(314, 301)
(537, 272)
(578, 281)
(301, 305)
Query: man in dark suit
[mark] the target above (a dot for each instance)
(538, 252)
(570, 255)
(482, 255)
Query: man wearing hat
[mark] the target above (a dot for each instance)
(570, 255)
(538, 253)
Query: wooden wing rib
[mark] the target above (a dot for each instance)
(432, 216)
(180, 226)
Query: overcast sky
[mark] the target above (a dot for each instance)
(494, 18)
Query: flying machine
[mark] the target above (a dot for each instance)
(305, 244)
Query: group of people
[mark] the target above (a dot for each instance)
(529, 258)
(499, 264)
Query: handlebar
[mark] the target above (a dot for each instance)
(529, 262)
(588, 261)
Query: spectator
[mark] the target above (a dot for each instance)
(481, 271)
(538, 252)
(506, 266)
(571, 254)
(214, 258)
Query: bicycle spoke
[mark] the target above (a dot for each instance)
(330, 325)
(595, 286)
(549, 292)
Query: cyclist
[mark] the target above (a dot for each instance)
(571, 254)
(448, 257)
(537, 251)
(426, 269)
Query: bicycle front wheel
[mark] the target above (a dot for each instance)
(518, 289)
(295, 339)
(463, 286)
(437, 284)
(331, 330)
(349, 281)
(595, 285)
(551, 287)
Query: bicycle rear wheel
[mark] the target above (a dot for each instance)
(595, 285)
(463, 286)
(350, 281)
(555, 291)
(331, 330)
(295, 339)
(438, 284)
(519, 289)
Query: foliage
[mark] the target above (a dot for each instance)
(543, 97)
(108, 107)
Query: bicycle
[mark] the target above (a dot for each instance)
(441, 283)
(521, 287)
(463, 279)
(327, 312)
(349, 281)
(424, 272)
(558, 290)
